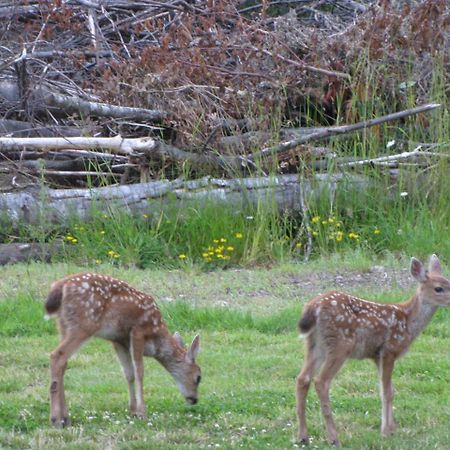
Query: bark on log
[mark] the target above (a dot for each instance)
(14, 253)
(17, 128)
(58, 205)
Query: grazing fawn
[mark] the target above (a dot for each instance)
(89, 305)
(338, 326)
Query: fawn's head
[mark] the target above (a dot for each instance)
(434, 287)
(188, 374)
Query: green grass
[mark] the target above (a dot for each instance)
(250, 356)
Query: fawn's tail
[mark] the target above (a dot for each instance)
(54, 298)
(307, 321)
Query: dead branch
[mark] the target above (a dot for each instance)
(74, 105)
(340, 130)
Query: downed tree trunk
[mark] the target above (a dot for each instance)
(58, 205)
(14, 253)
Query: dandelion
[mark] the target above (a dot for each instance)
(339, 236)
(223, 240)
(315, 219)
(182, 256)
(220, 256)
(238, 235)
(230, 248)
(376, 231)
(352, 235)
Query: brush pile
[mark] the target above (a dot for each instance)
(198, 86)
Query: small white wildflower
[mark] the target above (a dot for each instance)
(403, 194)
(390, 144)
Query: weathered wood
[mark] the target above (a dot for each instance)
(14, 253)
(340, 130)
(57, 205)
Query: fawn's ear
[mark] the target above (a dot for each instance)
(434, 265)
(417, 270)
(194, 348)
(178, 339)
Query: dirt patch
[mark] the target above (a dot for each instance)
(345, 280)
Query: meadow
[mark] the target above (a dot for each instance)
(250, 356)
(240, 280)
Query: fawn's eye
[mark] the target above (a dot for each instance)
(199, 378)
(438, 289)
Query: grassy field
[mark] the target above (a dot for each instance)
(250, 356)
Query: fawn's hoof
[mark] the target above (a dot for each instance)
(60, 422)
(334, 443)
(139, 415)
(303, 440)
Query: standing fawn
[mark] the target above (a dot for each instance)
(97, 305)
(338, 326)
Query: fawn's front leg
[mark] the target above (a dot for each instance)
(386, 367)
(137, 356)
(123, 353)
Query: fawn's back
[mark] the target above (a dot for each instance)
(363, 327)
(102, 306)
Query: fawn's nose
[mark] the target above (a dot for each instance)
(191, 400)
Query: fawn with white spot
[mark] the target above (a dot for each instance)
(89, 305)
(338, 326)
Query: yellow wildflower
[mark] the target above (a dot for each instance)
(352, 235)
(182, 256)
(298, 245)
(324, 222)
(376, 231)
(102, 232)
(339, 236)
(223, 240)
(205, 254)
(331, 219)
(238, 235)
(315, 219)
(216, 241)
(230, 248)
(145, 216)
(315, 233)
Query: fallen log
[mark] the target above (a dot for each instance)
(59, 205)
(14, 253)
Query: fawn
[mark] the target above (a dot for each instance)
(338, 326)
(89, 305)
